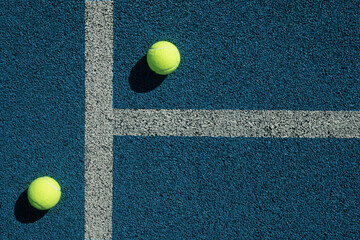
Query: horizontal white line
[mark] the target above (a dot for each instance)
(237, 123)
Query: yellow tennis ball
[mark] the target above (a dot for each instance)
(163, 57)
(44, 193)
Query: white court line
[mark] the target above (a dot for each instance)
(98, 119)
(237, 123)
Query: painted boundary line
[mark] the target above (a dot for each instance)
(98, 119)
(237, 123)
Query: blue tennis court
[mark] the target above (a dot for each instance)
(255, 136)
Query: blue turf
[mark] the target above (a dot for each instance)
(42, 114)
(296, 55)
(248, 188)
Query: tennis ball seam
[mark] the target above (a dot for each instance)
(176, 53)
(164, 70)
(51, 184)
(43, 208)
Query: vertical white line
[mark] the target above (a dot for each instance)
(98, 119)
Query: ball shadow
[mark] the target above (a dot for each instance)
(24, 212)
(142, 79)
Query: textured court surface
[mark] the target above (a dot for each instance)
(235, 188)
(295, 55)
(42, 115)
(255, 136)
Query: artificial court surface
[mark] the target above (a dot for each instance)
(264, 55)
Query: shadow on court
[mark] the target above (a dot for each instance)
(24, 212)
(142, 79)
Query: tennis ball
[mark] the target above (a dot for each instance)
(44, 193)
(163, 57)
